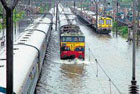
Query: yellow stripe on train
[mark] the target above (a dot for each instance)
(73, 45)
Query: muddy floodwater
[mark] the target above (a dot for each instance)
(87, 77)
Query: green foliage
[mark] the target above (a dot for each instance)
(114, 26)
(44, 8)
(1, 9)
(128, 1)
(41, 10)
(18, 15)
(123, 31)
(0, 25)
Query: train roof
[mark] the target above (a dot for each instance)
(24, 56)
(79, 34)
(63, 20)
(91, 13)
(70, 30)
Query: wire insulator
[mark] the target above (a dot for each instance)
(133, 89)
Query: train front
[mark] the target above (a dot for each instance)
(72, 45)
(104, 25)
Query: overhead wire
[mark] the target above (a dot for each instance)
(96, 60)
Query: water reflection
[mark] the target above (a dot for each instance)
(72, 70)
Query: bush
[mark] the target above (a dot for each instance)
(18, 15)
(114, 26)
(123, 31)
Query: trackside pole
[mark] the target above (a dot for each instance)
(9, 45)
(134, 86)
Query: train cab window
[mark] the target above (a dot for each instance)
(75, 39)
(65, 48)
(81, 39)
(63, 39)
(68, 39)
(101, 21)
(108, 21)
(79, 49)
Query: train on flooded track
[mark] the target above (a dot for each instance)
(104, 24)
(29, 54)
(72, 40)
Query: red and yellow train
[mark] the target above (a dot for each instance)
(72, 42)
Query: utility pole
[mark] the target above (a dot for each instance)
(54, 7)
(134, 86)
(138, 7)
(96, 2)
(3, 23)
(104, 7)
(9, 46)
(74, 4)
(29, 4)
(81, 4)
(15, 25)
(117, 17)
(56, 16)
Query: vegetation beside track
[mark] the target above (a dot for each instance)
(122, 30)
(17, 16)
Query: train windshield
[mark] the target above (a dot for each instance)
(81, 39)
(108, 21)
(101, 21)
(79, 49)
(73, 39)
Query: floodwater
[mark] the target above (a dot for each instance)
(111, 75)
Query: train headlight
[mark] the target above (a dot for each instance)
(64, 44)
(99, 26)
(80, 56)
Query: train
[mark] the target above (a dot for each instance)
(72, 40)
(104, 24)
(29, 54)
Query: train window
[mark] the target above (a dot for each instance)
(108, 21)
(63, 39)
(25, 37)
(64, 48)
(101, 21)
(81, 39)
(75, 39)
(23, 40)
(68, 39)
(79, 49)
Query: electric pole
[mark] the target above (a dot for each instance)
(56, 16)
(96, 16)
(104, 7)
(81, 4)
(117, 17)
(9, 44)
(134, 86)
(74, 4)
